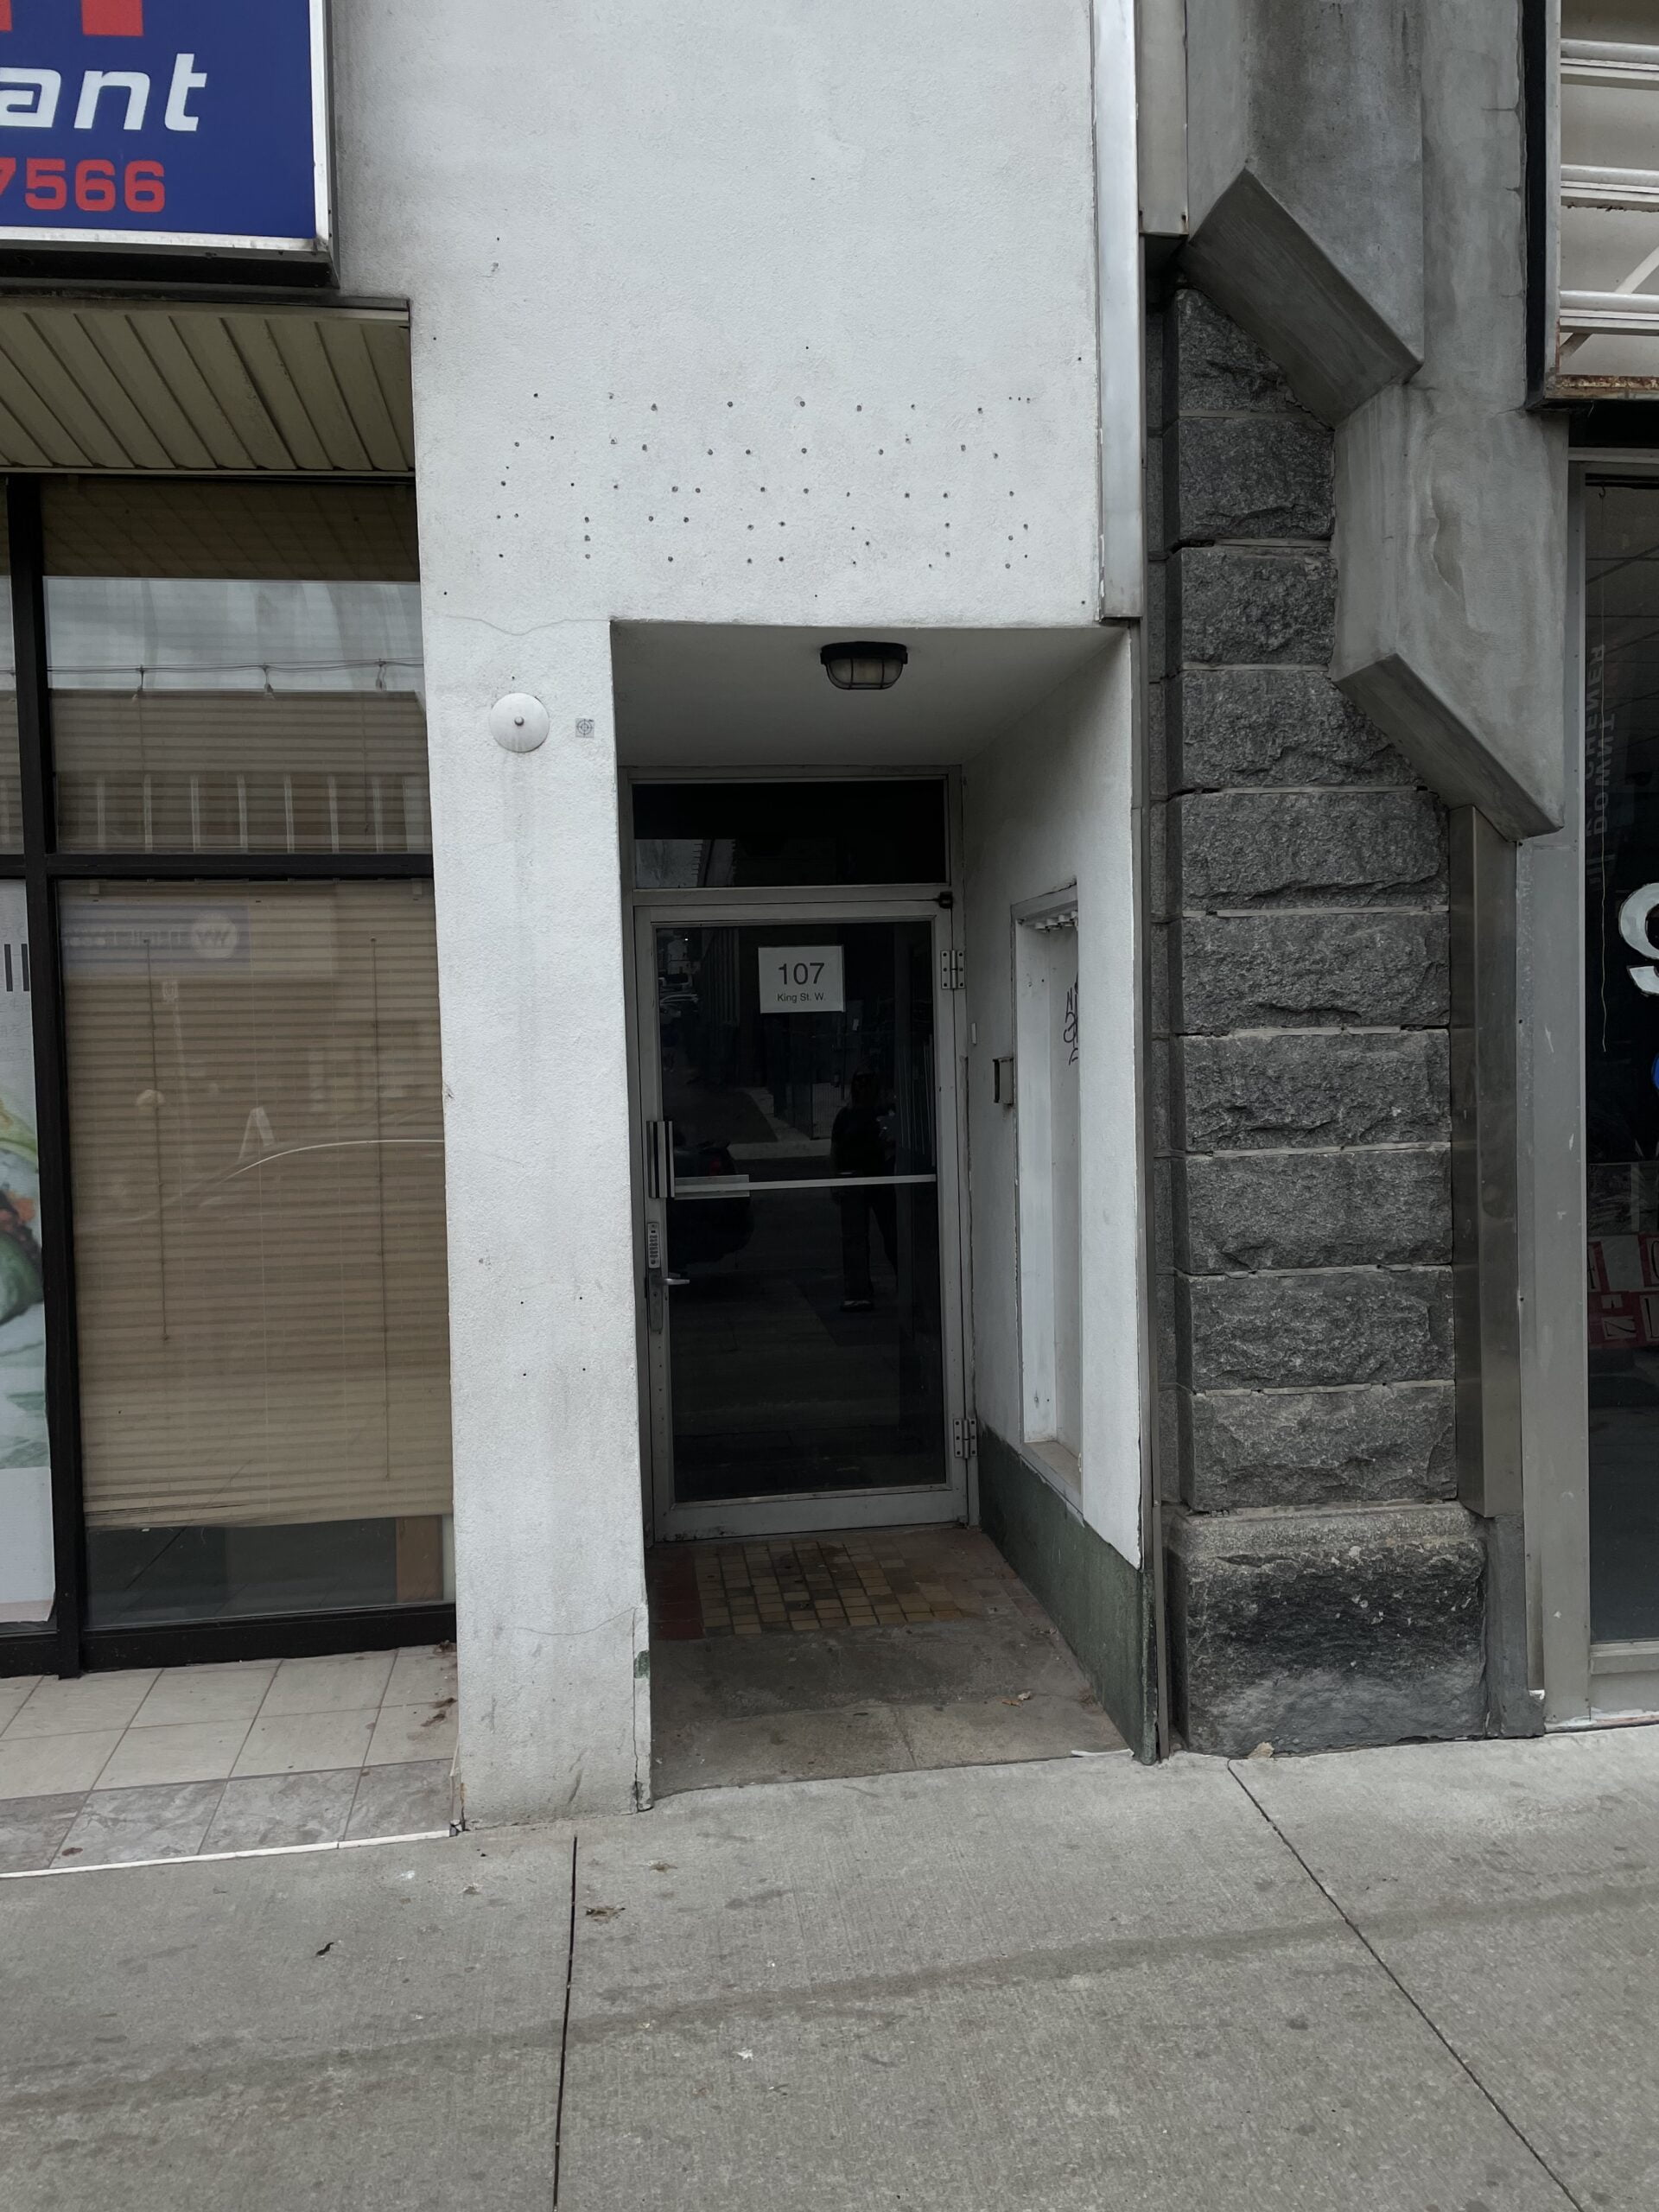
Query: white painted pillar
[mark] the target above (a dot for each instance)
(549, 1569)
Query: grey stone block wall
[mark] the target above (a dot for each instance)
(1293, 1621)
(1324, 1590)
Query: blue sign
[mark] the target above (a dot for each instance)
(164, 122)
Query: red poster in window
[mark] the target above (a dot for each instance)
(1623, 1320)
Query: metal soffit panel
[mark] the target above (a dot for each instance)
(147, 385)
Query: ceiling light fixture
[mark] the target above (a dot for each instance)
(862, 666)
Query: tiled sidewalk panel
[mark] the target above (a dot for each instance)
(154, 1763)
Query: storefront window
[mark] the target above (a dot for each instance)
(255, 1123)
(1622, 1001)
(252, 1106)
(236, 668)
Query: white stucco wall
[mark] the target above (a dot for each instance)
(1050, 804)
(550, 1602)
(739, 313)
(720, 314)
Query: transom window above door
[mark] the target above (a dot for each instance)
(690, 836)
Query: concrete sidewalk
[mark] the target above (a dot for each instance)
(1420, 1979)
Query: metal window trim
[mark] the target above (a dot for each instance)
(267, 1636)
(1541, 31)
(1555, 1369)
(1485, 1284)
(26, 547)
(1160, 90)
(1560, 321)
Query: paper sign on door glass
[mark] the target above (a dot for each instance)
(801, 979)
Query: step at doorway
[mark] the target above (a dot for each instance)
(854, 1651)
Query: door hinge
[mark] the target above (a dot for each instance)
(952, 962)
(964, 1436)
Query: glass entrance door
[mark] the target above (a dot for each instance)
(802, 1300)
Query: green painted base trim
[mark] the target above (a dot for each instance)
(1100, 1603)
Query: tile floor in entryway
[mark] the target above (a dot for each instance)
(166, 1762)
(853, 1652)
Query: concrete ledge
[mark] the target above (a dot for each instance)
(1451, 616)
(1319, 1631)
(1446, 752)
(1252, 257)
(1101, 1604)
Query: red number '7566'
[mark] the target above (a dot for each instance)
(46, 185)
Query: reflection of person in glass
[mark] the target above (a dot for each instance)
(859, 1145)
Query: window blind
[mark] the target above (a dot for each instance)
(189, 772)
(255, 1127)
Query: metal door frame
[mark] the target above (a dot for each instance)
(1585, 1681)
(666, 1521)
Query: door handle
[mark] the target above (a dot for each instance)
(659, 1160)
